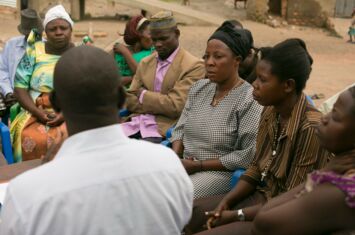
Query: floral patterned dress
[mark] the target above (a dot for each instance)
(31, 139)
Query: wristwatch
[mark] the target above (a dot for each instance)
(241, 215)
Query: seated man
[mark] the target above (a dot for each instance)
(11, 55)
(100, 182)
(159, 89)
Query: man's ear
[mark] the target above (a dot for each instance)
(177, 32)
(290, 85)
(54, 101)
(238, 59)
(121, 97)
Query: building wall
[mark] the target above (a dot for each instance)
(310, 12)
(93, 8)
(8, 3)
(257, 10)
(41, 6)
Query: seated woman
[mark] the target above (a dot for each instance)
(139, 45)
(37, 127)
(217, 129)
(325, 204)
(287, 147)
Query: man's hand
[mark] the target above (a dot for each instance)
(138, 92)
(10, 99)
(2, 105)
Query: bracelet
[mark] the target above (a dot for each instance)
(201, 166)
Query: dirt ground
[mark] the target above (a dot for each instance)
(334, 58)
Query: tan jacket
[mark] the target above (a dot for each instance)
(168, 104)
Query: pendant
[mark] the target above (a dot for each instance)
(263, 175)
(273, 152)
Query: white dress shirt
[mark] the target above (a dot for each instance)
(101, 183)
(9, 59)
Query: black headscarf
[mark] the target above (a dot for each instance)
(240, 41)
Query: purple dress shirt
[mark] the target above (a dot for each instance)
(145, 123)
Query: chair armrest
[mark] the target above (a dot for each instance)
(169, 132)
(166, 143)
(6, 143)
(309, 99)
(124, 113)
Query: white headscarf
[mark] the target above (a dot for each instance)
(57, 12)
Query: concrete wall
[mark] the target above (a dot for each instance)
(257, 10)
(328, 6)
(41, 6)
(310, 12)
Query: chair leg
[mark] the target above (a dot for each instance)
(6, 143)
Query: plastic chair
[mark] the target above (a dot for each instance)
(123, 113)
(236, 176)
(168, 135)
(309, 99)
(6, 143)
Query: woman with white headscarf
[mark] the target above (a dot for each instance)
(37, 127)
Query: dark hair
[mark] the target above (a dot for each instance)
(97, 77)
(291, 60)
(352, 92)
(259, 54)
(236, 23)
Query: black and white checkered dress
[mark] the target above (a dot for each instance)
(226, 131)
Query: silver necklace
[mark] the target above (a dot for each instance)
(275, 147)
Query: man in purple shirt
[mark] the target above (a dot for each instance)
(159, 88)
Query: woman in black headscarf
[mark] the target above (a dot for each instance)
(216, 132)
(287, 147)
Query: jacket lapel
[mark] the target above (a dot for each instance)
(173, 73)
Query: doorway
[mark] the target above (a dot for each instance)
(275, 7)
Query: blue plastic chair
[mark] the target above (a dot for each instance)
(124, 113)
(236, 176)
(6, 143)
(309, 99)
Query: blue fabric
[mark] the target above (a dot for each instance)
(9, 58)
(309, 99)
(236, 175)
(6, 143)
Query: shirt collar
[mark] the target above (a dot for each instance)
(92, 140)
(21, 43)
(295, 118)
(170, 58)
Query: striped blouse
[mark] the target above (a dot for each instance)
(299, 150)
